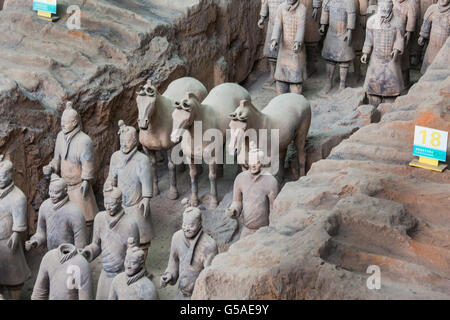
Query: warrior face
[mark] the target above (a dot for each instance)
(128, 141)
(133, 264)
(255, 167)
(192, 222)
(57, 191)
(385, 8)
(69, 121)
(6, 177)
(112, 205)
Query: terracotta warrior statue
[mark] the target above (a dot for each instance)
(407, 11)
(254, 193)
(289, 29)
(13, 223)
(64, 274)
(268, 13)
(340, 16)
(312, 35)
(73, 160)
(436, 29)
(191, 251)
(385, 40)
(132, 284)
(112, 228)
(129, 170)
(60, 220)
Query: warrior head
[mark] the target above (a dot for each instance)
(134, 259)
(443, 3)
(128, 137)
(112, 199)
(192, 222)
(255, 157)
(385, 8)
(57, 189)
(6, 172)
(70, 119)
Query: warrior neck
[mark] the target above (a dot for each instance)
(5, 191)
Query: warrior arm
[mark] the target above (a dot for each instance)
(411, 18)
(145, 178)
(300, 36)
(85, 292)
(237, 195)
(324, 19)
(79, 231)
(399, 43)
(19, 216)
(273, 193)
(42, 284)
(210, 255)
(264, 8)
(426, 25)
(112, 292)
(112, 174)
(87, 161)
(95, 247)
(174, 262)
(56, 161)
(41, 231)
(368, 43)
(278, 26)
(351, 15)
(317, 4)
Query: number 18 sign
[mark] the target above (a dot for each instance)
(430, 145)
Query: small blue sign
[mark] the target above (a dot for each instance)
(429, 153)
(45, 5)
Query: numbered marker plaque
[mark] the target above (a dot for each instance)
(430, 145)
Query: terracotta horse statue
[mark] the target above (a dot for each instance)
(155, 123)
(212, 113)
(290, 113)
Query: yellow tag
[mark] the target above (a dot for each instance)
(44, 14)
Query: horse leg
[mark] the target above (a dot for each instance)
(212, 179)
(300, 141)
(153, 175)
(193, 172)
(172, 194)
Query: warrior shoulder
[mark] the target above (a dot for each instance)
(372, 22)
(18, 196)
(430, 11)
(208, 242)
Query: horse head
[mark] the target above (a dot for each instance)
(146, 103)
(183, 116)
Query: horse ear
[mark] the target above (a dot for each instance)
(141, 91)
(190, 95)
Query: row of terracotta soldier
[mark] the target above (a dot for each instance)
(65, 218)
(391, 35)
